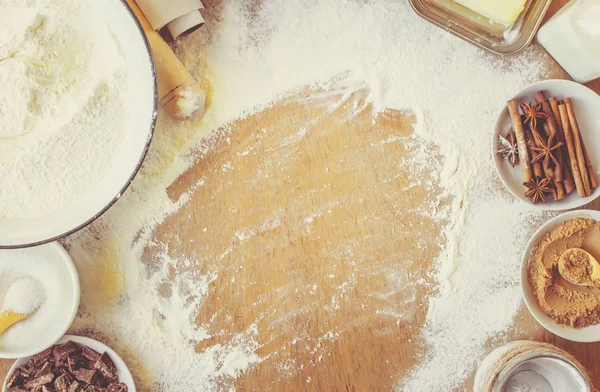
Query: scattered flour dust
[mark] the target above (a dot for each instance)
(256, 55)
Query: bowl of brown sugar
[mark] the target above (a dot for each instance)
(566, 308)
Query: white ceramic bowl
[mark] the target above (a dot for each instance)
(18, 233)
(587, 334)
(586, 104)
(122, 369)
(50, 259)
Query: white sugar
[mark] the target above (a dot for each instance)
(24, 296)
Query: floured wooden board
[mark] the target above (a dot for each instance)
(310, 231)
(305, 215)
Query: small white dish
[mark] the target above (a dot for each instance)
(587, 334)
(122, 369)
(46, 262)
(143, 95)
(586, 104)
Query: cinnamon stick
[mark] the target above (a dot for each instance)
(592, 179)
(564, 117)
(578, 147)
(553, 132)
(537, 166)
(547, 168)
(590, 167)
(569, 184)
(513, 109)
(560, 191)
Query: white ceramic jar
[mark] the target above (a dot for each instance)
(572, 37)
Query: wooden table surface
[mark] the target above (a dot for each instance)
(298, 206)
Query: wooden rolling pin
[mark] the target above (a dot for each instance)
(178, 92)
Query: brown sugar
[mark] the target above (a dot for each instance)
(569, 304)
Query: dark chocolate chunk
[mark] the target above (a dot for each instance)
(43, 356)
(106, 366)
(39, 381)
(27, 369)
(15, 380)
(86, 375)
(101, 382)
(69, 378)
(63, 371)
(62, 350)
(90, 354)
(45, 369)
(117, 387)
(93, 388)
(61, 384)
(76, 362)
(74, 387)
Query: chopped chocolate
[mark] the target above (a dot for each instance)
(27, 369)
(74, 387)
(92, 388)
(88, 376)
(101, 382)
(43, 356)
(45, 369)
(62, 350)
(106, 366)
(61, 384)
(39, 381)
(63, 371)
(117, 387)
(90, 354)
(76, 362)
(15, 380)
(67, 367)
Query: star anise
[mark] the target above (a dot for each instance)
(508, 147)
(532, 113)
(545, 149)
(537, 189)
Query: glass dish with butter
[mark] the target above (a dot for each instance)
(503, 27)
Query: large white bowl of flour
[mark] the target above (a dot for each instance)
(78, 106)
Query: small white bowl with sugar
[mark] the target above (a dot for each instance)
(51, 266)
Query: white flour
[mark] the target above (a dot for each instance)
(62, 107)
(259, 55)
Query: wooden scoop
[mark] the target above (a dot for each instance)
(579, 267)
(8, 319)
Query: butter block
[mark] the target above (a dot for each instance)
(501, 11)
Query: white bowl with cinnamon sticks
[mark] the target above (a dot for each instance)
(546, 145)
